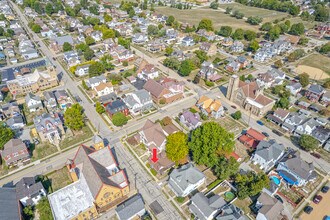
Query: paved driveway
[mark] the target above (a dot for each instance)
(320, 210)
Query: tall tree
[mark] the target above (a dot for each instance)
(95, 69)
(208, 141)
(238, 34)
(99, 108)
(205, 24)
(254, 46)
(186, 67)
(177, 146)
(74, 118)
(304, 79)
(5, 135)
(226, 168)
(49, 9)
(250, 184)
(67, 47)
(89, 40)
(308, 142)
(225, 31)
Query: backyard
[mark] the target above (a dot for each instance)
(83, 135)
(317, 61)
(219, 18)
(42, 150)
(56, 180)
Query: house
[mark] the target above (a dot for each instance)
(267, 154)
(104, 89)
(209, 48)
(63, 99)
(209, 35)
(71, 58)
(187, 41)
(295, 171)
(231, 212)
(210, 107)
(121, 54)
(327, 146)
(95, 81)
(155, 46)
(132, 208)
(148, 72)
(16, 122)
(9, 205)
(161, 94)
(57, 43)
(233, 66)
(251, 138)
(269, 208)
(29, 192)
(314, 92)
(98, 185)
(138, 101)
(49, 127)
(227, 42)
(117, 106)
(249, 96)
(208, 72)
(33, 102)
(270, 78)
(326, 98)
(307, 127)
(139, 38)
(237, 47)
(321, 134)
(49, 100)
(105, 99)
(96, 35)
(294, 87)
(10, 109)
(152, 135)
(292, 121)
(190, 120)
(15, 153)
(205, 208)
(185, 180)
(279, 115)
(82, 70)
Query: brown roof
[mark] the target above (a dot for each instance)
(170, 129)
(249, 89)
(14, 146)
(271, 207)
(149, 68)
(93, 165)
(163, 163)
(102, 86)
(293, 39)
(281, 112)
(153, 132)
(154, 88)
(263, 100)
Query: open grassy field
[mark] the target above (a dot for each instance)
(267, 15)
(307, 24)
(194, 16)
(317, 61)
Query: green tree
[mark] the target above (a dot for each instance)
(295, 55)
(250, 184)
(304, 79)
(74, 118)
(201, 55)
(177, 146)
(297, 29)
(284, 28)
(308, 142)
(119, 119)
(124, 43)
(325, 112)
(109, 33)
(28, 212)
(278, 64)
(237, 115)
(214, 5)
(266, 26)
(254, 46)
(283, 103)
(36, 28)
(95, 69)
(237, 14)
(84, 85)
(325, 48)
(186, 67)
(82, 47)
(99, 108)
(152, 30)
(321, 13)
(37, 7)
(238, 34)
(44, 210)
(254, 20)
(170, 20)
(208, 141)
(107, 17)
(303, 41)
(94, 10)
(89, 40)
(89, 54)
(169, 51)
(49, 9)
(274, 33)
(226, 168)
(2, 17)
(229, 10)
(5, 135)
(250, 35)
(2, 31)
(326, 84)
(225, 31)
(205, 24)
(172, 62)
(67, 47)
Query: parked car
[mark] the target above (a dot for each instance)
(317, 199)
(325, 189)
(233, 106)
(265, 133)
(279, 198)
(277, 132)
(308, 209)
(260, 122)
(318, 156)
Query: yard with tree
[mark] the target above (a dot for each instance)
(74, 117)
(308, 142)
(177, 146)
(5, 135)
(119, 119)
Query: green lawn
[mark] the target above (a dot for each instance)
(267, 15)
(57, 180)
(194, 16)
(83, 135)
(42, 150)
(318, 61)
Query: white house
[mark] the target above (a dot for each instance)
(82, 70)
(307, 127)
(29, 192)
(104, 89)
(33, 102)
(185, 179)
(148, 72)
(294, 88)
(152, 135)
(95, 81)
(138, 101)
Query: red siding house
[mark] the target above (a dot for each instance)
(251, 138)
(117, 106)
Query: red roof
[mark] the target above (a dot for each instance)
(249, 141)
(255, 134)
(234, 155)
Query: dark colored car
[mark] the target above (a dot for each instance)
(325, 189)
(260, 122)
(277, 132)
(317, 199)
(233, 106)
(279, 198)
(318, 156)
(265, 133)
(308, 209)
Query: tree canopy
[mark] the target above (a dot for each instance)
(95, 69)
(119, 119)
(208, 141)
(304, 79)
(74, 118)
(177, 146)
(206, 24)
(250, 184)
(225, 31)
(99, 108)
(67, 47)
(5, 135)
(226, 168)
(308, 142)
(237, 115)
(186, 67)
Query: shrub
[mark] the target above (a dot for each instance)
(209, 83)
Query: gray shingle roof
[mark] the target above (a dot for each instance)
(9, 205)
(27, 187)
(269, 150)
(231, 212)
(130, 207)
(204, 207)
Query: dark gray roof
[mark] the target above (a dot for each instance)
(231, 212)
(315, 88)
(130, 207)
(60, 93)
(269, 150)
(27, 187)
(49, 95)
(9, 205)
(321, 134)
(183, 177)
(116, 106)
(108, 98)
(202, 206)
(15, 120)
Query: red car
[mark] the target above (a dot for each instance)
(317, 199)
(318, 156)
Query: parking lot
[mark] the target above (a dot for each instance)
(320, 210)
